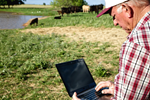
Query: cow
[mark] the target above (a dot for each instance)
(79, 9)
(75, 9)
(85, 8)
(59, 12)
(57, 17)
(96, 8)
(66, 10)
(100, 7)
(34, 21)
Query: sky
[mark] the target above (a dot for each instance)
(40, 2)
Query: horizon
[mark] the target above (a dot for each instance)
(47, 2)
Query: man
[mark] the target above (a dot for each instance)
(133, 80)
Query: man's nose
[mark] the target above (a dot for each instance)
(115, 22)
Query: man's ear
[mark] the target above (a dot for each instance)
(127, 10)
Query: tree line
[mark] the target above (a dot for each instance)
(11, 3)
(67, 3)
(57, 3)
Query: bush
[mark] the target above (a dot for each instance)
(44, 3)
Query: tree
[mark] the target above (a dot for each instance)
(60, 3)
(79, 2)
(11, 2)
(67, 3)
(3, 3)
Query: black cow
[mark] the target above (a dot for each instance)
(57, 17)
(96, 8)
(34, 21)
(65, 10)
(79, 9)
(75, 9)
(100, 7)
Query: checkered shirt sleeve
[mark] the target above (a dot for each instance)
(133, 80)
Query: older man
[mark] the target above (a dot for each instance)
(133, 80)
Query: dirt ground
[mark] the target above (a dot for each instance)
(115, 36)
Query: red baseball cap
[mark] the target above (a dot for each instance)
(109, 5)
(105, 11)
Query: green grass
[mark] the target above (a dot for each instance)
(27, 61)
(78, 19)
(33, 11)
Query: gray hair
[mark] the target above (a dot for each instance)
(138, 3)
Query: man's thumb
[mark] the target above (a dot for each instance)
(74, 95)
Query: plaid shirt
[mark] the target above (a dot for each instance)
(133, 80)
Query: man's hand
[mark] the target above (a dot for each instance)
(98, 87)
(106, 84)
(74, 97)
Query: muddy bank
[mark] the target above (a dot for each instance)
(30, 20)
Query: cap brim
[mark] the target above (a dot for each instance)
(105, 11)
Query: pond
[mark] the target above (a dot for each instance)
(11, 21)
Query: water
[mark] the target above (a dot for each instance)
(11, 21)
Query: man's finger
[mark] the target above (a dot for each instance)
(74, 97)
(107, 91)
(102, 85)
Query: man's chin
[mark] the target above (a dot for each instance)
(128, 31)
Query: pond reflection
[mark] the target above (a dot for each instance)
(11, 21)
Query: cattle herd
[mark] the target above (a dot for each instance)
(84, 8)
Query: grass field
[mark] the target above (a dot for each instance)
(37, 10)
(27, 61)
